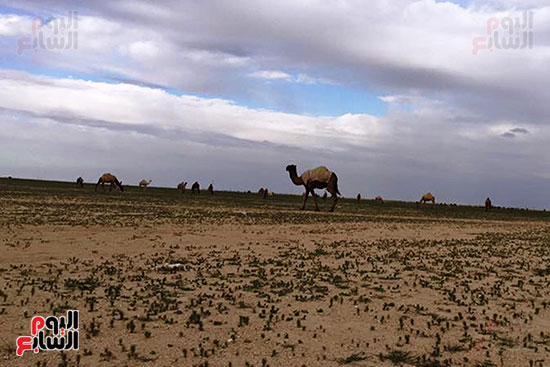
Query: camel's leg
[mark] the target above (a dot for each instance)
(305, 199)
(98, 182)
(315, 200)
(332, 188)
(335, 197)
(103, 186)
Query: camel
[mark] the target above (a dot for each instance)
(427, 197)
(196, 186)
(379, 199)
(263, 192)
(358, 198)
(80, 182)
(110, 179)
(181, 186)
(211, 188)
(318, 178)
(144, 183)
(488, 204)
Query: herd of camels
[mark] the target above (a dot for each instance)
(313, 179)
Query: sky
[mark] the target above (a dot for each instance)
(397, 97)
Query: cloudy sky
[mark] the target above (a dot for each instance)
(389, 94)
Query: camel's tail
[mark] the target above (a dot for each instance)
(336, 184)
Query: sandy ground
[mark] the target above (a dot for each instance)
(443, 292)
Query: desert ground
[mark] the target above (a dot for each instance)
(165, 279)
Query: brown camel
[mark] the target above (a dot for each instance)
(110, 179)
(379, 199)
(318, 178)
(181, 186)
(427, 198)
(80, 182)
(488, 204)
(211, 189)
(196, 187)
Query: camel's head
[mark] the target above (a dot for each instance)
(291, 168)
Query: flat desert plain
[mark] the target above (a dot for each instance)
(165, 279)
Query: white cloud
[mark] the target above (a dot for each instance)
(12, 25)
(271, 75)
(79, 101)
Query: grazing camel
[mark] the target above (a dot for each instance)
(181, 186)
(144, 183)
(196, 187)
(379, 199)
(80, 182)
(211, 189)
(488, 204)
(318, 178)
(358, 198)
(427, 198)
(110, 179)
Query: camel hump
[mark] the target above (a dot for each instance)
(428, 196)
(108, 176)
(320, 173)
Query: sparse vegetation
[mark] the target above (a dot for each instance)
(191, 280)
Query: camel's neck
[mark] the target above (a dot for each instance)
(295, 179)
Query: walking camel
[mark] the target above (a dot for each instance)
(318, 178)
(181, 186)
(111, 179)
(196, 186)
(80, 182)
(144, 183)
